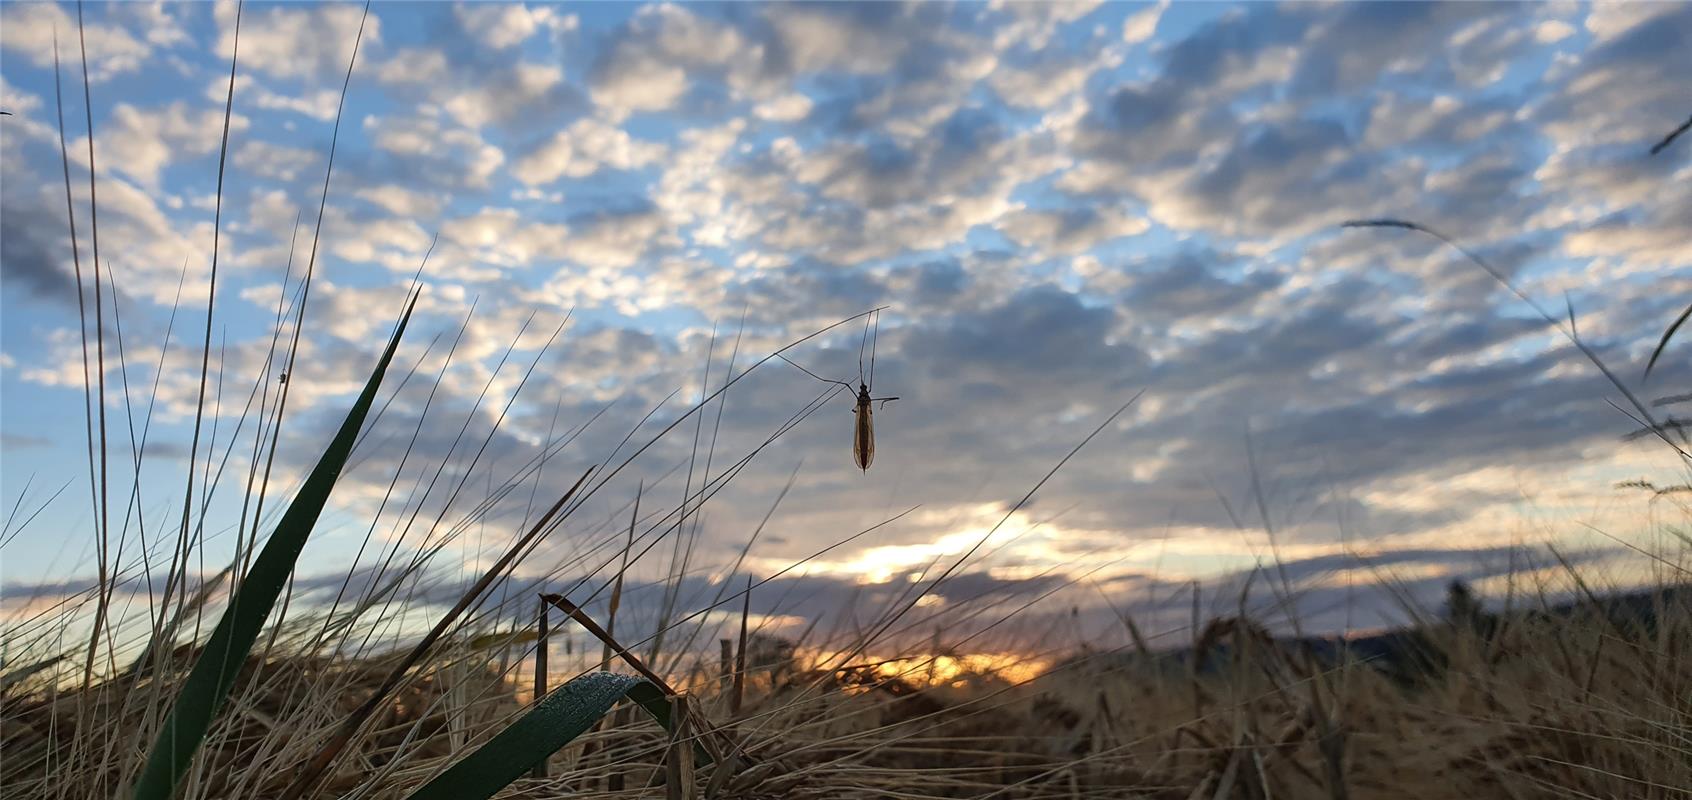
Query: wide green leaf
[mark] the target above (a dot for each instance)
(561, 716)
(214, 673)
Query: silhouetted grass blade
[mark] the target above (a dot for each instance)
(1663, 342)
(568, 712)
(214, 673)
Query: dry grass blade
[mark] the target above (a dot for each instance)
(616, 600)
(581, 617)
(88, 398)
(349, 727)
(541, 644)
(575, 612)
(737, 700)
(1643, 410)
(208, 685)
(1669, 139)
(1663, 342)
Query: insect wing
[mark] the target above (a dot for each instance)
(863, 438)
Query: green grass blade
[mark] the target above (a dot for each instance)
(555, 721)
(214, 673)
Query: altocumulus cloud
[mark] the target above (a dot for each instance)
(1060, 204)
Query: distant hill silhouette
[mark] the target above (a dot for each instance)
(1407, 654)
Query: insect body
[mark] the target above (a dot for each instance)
(863, 434)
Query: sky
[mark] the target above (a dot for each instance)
(1061, 206)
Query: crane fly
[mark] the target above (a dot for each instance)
(863, 433)
(863, 429)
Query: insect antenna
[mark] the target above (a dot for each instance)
(861, 343)
(801, 368)
(872, 342)
(877, 335)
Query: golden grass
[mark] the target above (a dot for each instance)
(1544, 706)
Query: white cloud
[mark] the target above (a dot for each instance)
(503, 237)
(142, 143)
(619, 239)
(31, 29)
(27, 123)
(1041, 85)
(154, 18)
(1606, 21)
(396, 244)
(821, 37)
(533, 194)
(583, 149)
(17, 101)
(403, 201)
(520, 91)
(671, 283)
(695, 188)
(320, 104)
(459, 156)
(308, 43)
(271, 160)
(151, 245)
(414, 65)
(1034, 23)
(273, 212)
(641, 84)
(790, 107)
(1552, 30)
(499, 26)
(648, 67)
(1142, 25)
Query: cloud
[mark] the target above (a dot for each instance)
(502, 26)
(1036, 23)
(32, 29)
(273, 160)
(1552, 31)
(1040, 330)
(1040, 84)
(308, 44)
(320, 105)
(524, 87)
(1351, 48)
(1195, 286)
(1059, 206)
(790, 107)
(1072, 229)
(404, 202)
(142, 143)
(34, 246)
(416, 65)
(1142, 24)
(652, 61)
(583, 149)
(448, 155)
(1626, 80)
(853, 38)
(616, 237)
